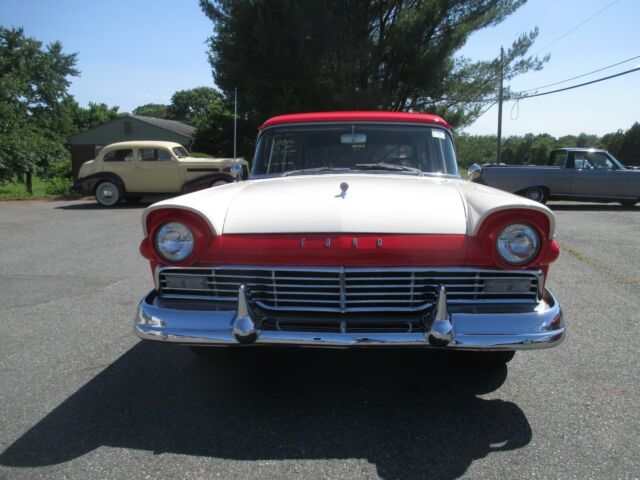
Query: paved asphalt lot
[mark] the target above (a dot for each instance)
(80, 397)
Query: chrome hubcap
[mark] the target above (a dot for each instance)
(107, 194)
(534, 195)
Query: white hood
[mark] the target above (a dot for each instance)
(372, 203)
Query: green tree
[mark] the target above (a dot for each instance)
(157, 110)
(285, 56)
(92, 116)
(613, 142)
(629, 153)
(193, 104)
(33, 88)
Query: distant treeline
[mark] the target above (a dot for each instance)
(534, 149)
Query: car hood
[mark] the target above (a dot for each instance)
(371, 203)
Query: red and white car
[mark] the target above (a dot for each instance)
(355, 230)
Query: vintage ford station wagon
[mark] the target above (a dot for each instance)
(355, 230)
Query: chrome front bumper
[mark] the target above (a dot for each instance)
(497, 327)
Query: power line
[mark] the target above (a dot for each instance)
(546, 9)
(579, 85)
(583, 75)
(576, 27)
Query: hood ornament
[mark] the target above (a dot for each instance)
(344, 186)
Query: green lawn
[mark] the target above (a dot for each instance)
(18, 191)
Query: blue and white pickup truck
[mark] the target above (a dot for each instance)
(583, 174)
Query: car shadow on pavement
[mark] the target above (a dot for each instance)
(412, 413)
(95, 206)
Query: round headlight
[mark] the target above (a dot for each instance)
(518, 243)
(174, 241)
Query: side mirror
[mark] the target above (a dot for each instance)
(474, 171)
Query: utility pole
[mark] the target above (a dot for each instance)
(500, 92)
(235, 121)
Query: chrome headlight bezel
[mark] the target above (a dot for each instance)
(474, 171)
(518, 243)
(174, 241)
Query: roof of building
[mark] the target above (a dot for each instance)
(356, 116)
(172, 125)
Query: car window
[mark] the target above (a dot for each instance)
(600, 161)
(558, 158)
(286, 149)
(123, 155)
(581, 163)
(153, 154)
(593, 161)
(180, 152)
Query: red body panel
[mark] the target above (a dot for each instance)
(353, 250)
(356, 116)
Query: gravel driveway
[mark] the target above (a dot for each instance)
(81, 397)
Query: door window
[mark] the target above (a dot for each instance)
(593, 161)
(154, 155)
(123, 155)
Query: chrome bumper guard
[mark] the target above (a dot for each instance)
(499, 327)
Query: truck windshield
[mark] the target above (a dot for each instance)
(399, 149)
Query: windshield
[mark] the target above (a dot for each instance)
(180, 152)
(404, 149)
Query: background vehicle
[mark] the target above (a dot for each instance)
(131, 170)
(582, 174)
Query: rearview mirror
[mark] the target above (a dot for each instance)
(351, 138)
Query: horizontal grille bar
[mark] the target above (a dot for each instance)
(336, 289)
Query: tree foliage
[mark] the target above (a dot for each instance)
(289, 56)
(157, 110)
(532, 149)
(33, 103)
(193, 104)
(206, 109)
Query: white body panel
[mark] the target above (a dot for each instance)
(373, 203)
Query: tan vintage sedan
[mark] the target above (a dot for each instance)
(131, 170)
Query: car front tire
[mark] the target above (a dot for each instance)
(108, 194)
(628, 203)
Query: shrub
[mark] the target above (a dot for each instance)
(57, 186)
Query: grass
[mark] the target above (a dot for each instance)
(18, 191)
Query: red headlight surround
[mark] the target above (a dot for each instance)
(201, 231)
(496, 222)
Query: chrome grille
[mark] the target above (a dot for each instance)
(339, 289)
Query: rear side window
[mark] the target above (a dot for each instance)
(124, 155)
(559, 158)
(154, 154)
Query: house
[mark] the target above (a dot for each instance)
(86, 145)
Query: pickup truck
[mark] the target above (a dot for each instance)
(582, 174)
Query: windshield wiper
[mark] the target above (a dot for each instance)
(311, 171)
(389, 166)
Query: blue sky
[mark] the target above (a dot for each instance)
(132, 52)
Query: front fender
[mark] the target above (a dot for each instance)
(207, 181)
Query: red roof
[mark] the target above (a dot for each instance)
(356, 116)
